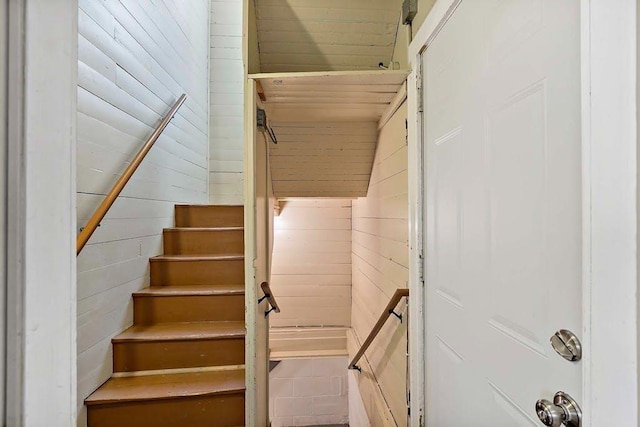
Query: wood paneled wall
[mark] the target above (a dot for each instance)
(322, 159)
(135, 58)
(401, 50)
(380, 266)
(311, 271)
(309, 35)
(227, 103)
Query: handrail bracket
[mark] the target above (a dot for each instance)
(94, 222)
(399, 316)
(388, 311)
(268, 295)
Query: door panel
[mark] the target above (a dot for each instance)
(503, 209)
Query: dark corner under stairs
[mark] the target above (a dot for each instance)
(182, 361)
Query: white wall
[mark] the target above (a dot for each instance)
(380, 267)
(227, 103)
(400, 53)
(48, 183)
(357, 409)
(311, 270)
(309, 392)
(322, 158)
(135, 58)
(326, 35)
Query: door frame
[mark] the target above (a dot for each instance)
(610, 220)
(257, 324)
(41, 322)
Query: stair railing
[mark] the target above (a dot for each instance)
(388, 311)
(94, 222)
(270, 298)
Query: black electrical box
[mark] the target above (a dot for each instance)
(409, 11)
(262, 119)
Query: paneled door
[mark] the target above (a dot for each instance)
(503, 210)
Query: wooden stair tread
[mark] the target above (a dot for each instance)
(168, 386)
(191, 258)
(190, 290)
(201, 229)
(182, 331)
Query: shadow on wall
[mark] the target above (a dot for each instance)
(357, 36)
(393, 334)
(284, 40)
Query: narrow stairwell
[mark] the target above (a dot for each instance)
(182, 361)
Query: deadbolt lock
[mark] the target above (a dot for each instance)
(567, 345)
(563, 411)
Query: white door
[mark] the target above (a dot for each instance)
(502, 210)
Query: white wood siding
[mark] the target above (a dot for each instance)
(227, 103)
(307, 35)
(135, 58)
(295, 343)
(401, 51)
(326, 124)
(322, 159)
(311, 271)
(380, 266)
(41, 186)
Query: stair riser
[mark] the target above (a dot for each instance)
(154, 355)
(202, 411)
(200, 308)
(181, 242)
(175, 273)
(276, 345)
(209, 216)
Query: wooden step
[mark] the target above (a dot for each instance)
(179, 345)
(175, 270)
(161, 304)
(200, 241)
(209, 216)
(211, 399)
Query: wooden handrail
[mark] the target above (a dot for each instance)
(88, 230)
(269, 296)
(388, 311)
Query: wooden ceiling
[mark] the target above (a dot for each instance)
(326, 35)
(327, 128)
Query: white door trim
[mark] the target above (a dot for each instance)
(41, 219)
(609, 145)
(15, 216)
(609, 141)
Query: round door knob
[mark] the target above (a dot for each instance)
(550, 414)
(563, 411)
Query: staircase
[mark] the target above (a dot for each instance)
(182, 361)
